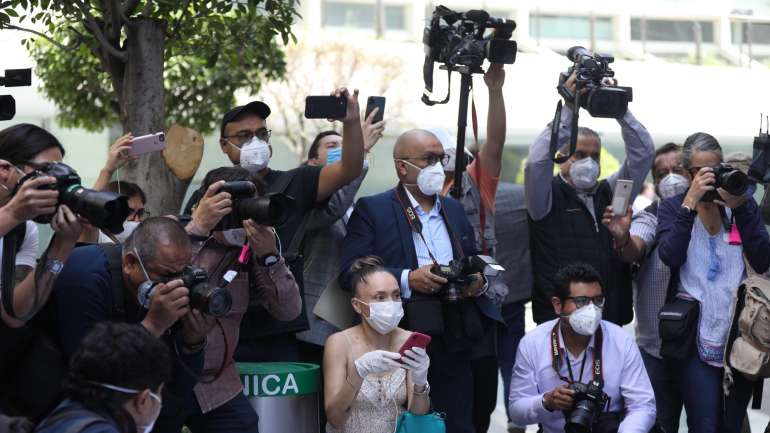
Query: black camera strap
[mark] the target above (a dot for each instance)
(556, 356)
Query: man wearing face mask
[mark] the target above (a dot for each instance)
(565, 210)
(637, 236)
(555, 355)
(218, 404)
(114, 383)
(413, 228)
(244, 138)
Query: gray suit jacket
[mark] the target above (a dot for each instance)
(322, 249)
(512, 232)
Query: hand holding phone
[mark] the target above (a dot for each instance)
(372, 103)
(326, 107)
(621, 197)
(415, 340)
(147, 143)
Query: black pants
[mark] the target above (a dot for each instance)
(235, 416)
(314, 354)
(451, 380)
(484, 391)
(276, 348)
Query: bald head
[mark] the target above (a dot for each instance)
(415, 143)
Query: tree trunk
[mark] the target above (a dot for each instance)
(142, 113)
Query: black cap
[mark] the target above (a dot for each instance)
(254, 107)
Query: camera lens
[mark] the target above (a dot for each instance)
(735, 182)
(270, 210)
(214, 301)
(581, 418)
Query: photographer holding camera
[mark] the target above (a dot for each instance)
(704, 236)
(22, 148)
(262, 276)
(550, 385)
(418, 233)
(566, 210)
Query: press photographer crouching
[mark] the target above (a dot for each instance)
(23, 149)
(114, 383)
(704, 236)
(241, 256)
(551, 385)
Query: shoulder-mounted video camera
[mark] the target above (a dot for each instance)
(268, 210)
(13, 78)
(462, 41)
(601, 100)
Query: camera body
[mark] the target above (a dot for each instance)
(103, 209)
(466, 39)
(590, 401)
(730, 179)
(460, 273)
(268, 210)
(204, 297)
(601, 100)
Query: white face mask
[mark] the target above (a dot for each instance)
(431, 178)
(586, 320)
(584, 174)
(128, 228)
(255, 155)
(672, 185)
(234, 237)
(148, 427)
(384, 316)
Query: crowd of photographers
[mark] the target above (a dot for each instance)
(131, 323)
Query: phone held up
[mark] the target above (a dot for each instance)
(326, 107)
(147, 143)
(375, 102)
(621, 197)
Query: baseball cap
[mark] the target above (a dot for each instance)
(254, 107)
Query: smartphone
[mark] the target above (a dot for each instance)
(621, 197)
(147, 143)
(326, 107)
(375, 102)
(414, 340)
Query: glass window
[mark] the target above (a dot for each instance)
(569, 27)
(671, 31)
(760, 33)
(361, 15)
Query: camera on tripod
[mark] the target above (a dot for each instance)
(268, 210)
(590, 70)
(590, 401)
(13, 78)
(104, 209)
(461, 272)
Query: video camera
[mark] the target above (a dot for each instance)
(269, 210)
(462, 41)
(590, 70)
(461, 272)
(759, 171)
(590, 401)
(13, 78)
(103, 209)
(728, 178)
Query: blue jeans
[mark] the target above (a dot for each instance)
(508, 338)
(668, 398)
(701, 387)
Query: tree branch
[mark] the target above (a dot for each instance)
(178, 23)
(128, 7)
(115, 19)
(147, 9)
(97, 32)
(71, 47)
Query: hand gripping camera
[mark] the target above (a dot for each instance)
(103, 209)
(204, 297)
(269, 210)
(590, 69)
(730, 179)
(461, 272)
(590, 401)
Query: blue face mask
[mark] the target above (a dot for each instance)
(333, 155)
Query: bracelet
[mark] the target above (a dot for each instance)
(423, 392)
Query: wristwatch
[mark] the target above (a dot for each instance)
(54, 266)
(269, 260)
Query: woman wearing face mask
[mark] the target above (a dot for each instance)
(114, 383)
(368, 385)
(703, 236)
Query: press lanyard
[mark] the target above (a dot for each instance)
(556, 356)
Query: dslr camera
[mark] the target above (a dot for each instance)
(460, 273)
(730, 179)
(590, 70)
(268, 210)
(590, 401)
(204, 297)
(103, 209)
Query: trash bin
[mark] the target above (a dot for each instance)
(284, 395)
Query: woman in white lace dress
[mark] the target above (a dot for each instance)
(367, 384)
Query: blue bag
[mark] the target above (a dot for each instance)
(429, 423)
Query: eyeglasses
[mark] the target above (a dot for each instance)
(139, 215)
(243, 137)
(582, 301)
(431, 158)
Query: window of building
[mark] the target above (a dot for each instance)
(569, 27)
(760, 33)
(671, 31)
(361, 15)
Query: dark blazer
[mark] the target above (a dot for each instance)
(379, 227)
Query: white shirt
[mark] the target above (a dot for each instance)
(624, 375)
(27, 255)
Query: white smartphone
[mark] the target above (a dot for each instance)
(147, 143)
(621, 197)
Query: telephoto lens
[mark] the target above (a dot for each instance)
(269, 210)
(205, 297)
